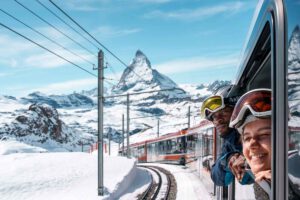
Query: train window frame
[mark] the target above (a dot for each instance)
(272, 12)
(260, 66)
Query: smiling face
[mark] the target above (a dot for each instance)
(257, 144)
(221, 120)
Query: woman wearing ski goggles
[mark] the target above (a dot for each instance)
(252, 118)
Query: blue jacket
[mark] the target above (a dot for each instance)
(220, 173)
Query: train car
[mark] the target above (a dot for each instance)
(271, 59)
(181, 147)
(169, 148)
(139, 151)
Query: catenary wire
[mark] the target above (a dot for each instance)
(149, 116)
(38, 32)
(110, 67)
(46, 49)
(94, 39)
(109, 83)
(43, 5)
(32, 12)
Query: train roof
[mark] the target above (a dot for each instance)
(168, 136)
(204, 124)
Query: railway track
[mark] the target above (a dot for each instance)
(163, 185)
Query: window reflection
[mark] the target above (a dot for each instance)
(294, 113)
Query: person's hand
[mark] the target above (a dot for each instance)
(263, 175)
(236, 164)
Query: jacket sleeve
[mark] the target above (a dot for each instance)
(222, 176)
(220, 173)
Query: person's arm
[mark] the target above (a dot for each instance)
(220, 173)
(236, 163)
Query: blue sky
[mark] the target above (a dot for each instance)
(191, 41)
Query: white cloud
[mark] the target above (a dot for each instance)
(111, 32)
(4, 74)
(10, 46)
(66, 87)
(16, 52)
(48, 60)
(199, 13)
(197, 63)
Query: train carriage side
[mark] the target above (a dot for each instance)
(139, 151)
(199, 141)
(169, 148)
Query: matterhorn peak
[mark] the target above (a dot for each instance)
(139, 53)
(140, 60)
(140, 76)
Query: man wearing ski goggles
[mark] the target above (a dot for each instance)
(218, 109)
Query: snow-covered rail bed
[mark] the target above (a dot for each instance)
(163, 185)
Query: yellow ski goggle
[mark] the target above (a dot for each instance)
(212, 104)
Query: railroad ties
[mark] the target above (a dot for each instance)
(163, 184)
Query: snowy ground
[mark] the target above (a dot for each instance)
(31, 175)
(34, 174)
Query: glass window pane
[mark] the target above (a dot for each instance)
(293, 82)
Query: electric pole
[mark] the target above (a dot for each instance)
(109, 142)
(189, 117)
(100, 122)
(157, 127)
(128, 149)
(123, 130)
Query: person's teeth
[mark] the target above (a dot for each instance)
(257, 155)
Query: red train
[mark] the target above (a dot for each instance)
(179, 147)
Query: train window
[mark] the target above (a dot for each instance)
(293, 96)
(257, 73)
(169, 147)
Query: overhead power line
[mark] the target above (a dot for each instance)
(46, 49)
(109, 83)
(94, 39)
(149, 116)
(38, 32)
(32, 12)
(108, 65)
(43, 5)
(137, 93)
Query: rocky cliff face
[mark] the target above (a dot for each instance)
(40, 124)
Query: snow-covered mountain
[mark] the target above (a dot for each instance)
(294, 72)
(59, 101)
(74, 117)
(41, 126)
(139, 76)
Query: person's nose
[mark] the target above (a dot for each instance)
(218, 119)
(253, 142)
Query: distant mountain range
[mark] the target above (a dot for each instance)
(65, 122)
